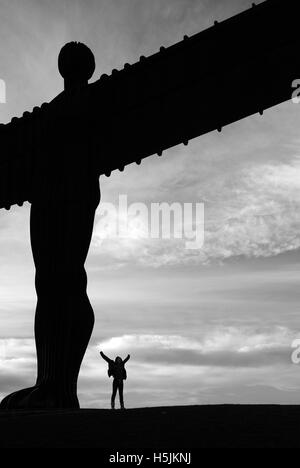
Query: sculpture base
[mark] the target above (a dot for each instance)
(44, 397)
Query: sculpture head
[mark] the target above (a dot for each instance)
(76, 64)
(118, 360)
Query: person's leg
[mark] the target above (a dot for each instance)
(121, 386)
(60, 239)
(114, 392)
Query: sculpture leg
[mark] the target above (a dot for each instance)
(114, 393)
(121, 388)
(60, 239)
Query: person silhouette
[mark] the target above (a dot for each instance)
(116, 369)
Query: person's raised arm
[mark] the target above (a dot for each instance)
(105, 357)
(126, 359)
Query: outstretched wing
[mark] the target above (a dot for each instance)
(232, 70)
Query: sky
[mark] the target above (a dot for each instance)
(206, 326)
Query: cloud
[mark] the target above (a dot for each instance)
(252, 211)
(223, 364)
(229, 346)
(17, 364)
(174, 369)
